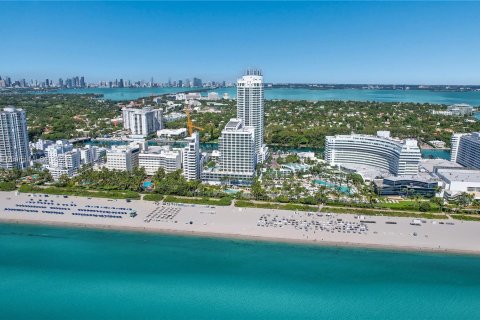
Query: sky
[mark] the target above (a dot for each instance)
(302, 42)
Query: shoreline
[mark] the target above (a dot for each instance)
(232, 236)
(255, 224)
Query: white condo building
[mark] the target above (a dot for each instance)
(237, 156)
(191, 158)
(455, 142)
(63, 159)
(250, 107)
(399, 157)
(14, 149)
(89, 154)
(155, 158)
(237, 148)
(142, 122)
(468, 153)
(123, 158)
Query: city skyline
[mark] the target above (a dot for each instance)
(335, 43)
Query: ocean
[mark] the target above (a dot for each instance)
(418, 96)
(65, 273)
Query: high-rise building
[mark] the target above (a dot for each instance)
(455, 142)
(398, 157)
(197, 82)
(237, 157)
(14, 149)
(191, 158)
(142, 122)
(250, 107)
(237, 148)
(180, 83)
(468, 154)
(82, 82)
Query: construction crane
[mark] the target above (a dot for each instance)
(190, 125)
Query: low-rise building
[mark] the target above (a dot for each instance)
(458, 180)
(213, 96)
(437, 143)
(460, 109)
(155, 158)
(422, 184)
(456, 110)
(172, 133)
(89, 154)
(63, 159)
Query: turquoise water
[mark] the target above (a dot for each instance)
(61, 273)
(118, 94)
(420, 96)
(426, 154)
(230, 191)
(330, 185)
(436, 154)
(147, 184)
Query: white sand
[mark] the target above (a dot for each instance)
(462, 237)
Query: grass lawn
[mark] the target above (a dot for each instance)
(80, 192)
(385, 213)
(273, 205)
(465, 217)
(407, 205)
(153, 197)
(226, 201)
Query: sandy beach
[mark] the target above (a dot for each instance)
(396, 233)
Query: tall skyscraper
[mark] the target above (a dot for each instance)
(191, 158)
(250, 107)
(14, 150)
(197, 82)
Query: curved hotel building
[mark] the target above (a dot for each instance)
(399, 157)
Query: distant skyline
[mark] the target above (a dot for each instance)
(292, 42)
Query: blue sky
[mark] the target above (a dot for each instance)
(324, 42)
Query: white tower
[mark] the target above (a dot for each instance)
(191, 158)
(250, 107)
(455, 142)
(14, 150)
